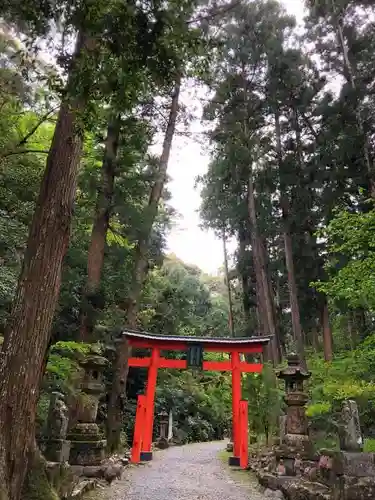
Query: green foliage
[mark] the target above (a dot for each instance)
(265, 402)
(200, 402)
(176, 300)
(256, 80)
(63, 370)
(369, 445)
(351, 260)
(42, 412)
(348, 376)
(318, 409)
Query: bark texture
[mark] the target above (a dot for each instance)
(28, 330)
(118, 391)
(95, 259)
(288, 246)
(264, 291)
(349, 75)
(246, 279)
(227, 281)
(327, 334)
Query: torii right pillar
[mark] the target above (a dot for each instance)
(236, 398)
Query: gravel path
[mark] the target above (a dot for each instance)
(192, 472)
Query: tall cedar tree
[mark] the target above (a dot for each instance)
(118, 388)
(28, 330)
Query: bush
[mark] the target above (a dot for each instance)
(348, 376)
(369, 445)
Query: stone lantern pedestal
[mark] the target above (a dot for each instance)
(87, 442)
(295, 442)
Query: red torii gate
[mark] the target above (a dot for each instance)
(142, 441)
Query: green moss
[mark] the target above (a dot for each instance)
(36, 485)
(369, 445)
(224, 456)
(238, 475)
(63, 481)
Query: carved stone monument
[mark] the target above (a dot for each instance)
(87, 442)
(349, 472)
(55, 446)
(296, 439)
(350, 429)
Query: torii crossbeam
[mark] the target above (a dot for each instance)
(195, 347)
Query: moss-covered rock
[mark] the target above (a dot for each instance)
(62, 478)
(36, 485)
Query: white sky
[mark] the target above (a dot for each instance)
(188, 160)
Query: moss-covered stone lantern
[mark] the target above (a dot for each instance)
(87, 442)
(296, 440)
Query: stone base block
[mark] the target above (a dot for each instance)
(356, 464)
(290, 449)
(57, 450)
(85, 432)
(146, 456)
(162, 444)
(354, 488)
(234, 461)
(295, 488)
(87, 452)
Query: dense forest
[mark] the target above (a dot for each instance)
(88, 92)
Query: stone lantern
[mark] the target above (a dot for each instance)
(296, 440)
(87, 442)
(162, 441)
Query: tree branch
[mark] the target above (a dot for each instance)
(218, 12)
(25, 151)
(31, 132)
(36, 126)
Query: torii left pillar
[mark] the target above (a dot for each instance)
(146, 453)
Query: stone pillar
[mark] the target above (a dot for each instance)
(87, 442)
(282, 428)
(170, 426)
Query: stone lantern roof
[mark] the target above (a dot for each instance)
(94, 361)
(294, 370)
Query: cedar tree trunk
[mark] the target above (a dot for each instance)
(28, 329)
(264, 295)
(327, 334)
(95, 259)
(293, 292)
(121, 368)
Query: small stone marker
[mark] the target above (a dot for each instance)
(170, 426)
(350, 429)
